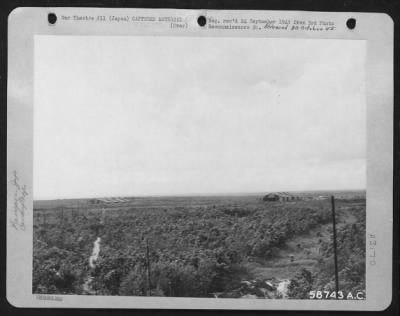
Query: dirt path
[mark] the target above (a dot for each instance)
(304, 248)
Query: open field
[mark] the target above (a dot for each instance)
(204, 246)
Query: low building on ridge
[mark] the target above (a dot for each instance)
(280, 196)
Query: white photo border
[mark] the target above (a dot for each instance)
(26, 23)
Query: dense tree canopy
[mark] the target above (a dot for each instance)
(193, 251)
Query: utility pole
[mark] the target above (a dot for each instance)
(334, 245)
(148, 269)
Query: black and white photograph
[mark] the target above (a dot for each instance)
(161, 169)
(178, 159)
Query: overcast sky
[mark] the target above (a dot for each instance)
(131, 116)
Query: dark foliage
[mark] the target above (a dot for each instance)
(194, 251)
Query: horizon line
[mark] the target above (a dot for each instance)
(193, 194)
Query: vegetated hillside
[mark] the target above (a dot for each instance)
(225, 249)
